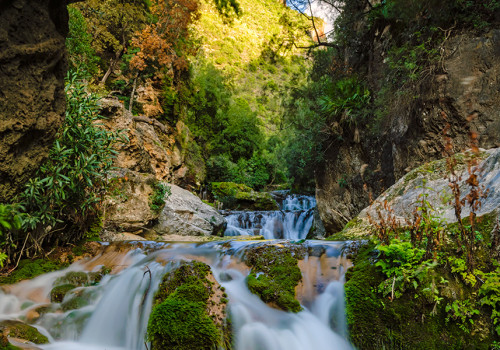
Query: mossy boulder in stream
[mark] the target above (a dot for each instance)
(20, 330)
(189, 311)
(275, 274)
(239, 196)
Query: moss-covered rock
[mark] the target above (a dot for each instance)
(411, 321)
(239, 196)
(275, 274)
(5, 345)
(189, 311)
(28, 269)
(17, 329)
(58, 293)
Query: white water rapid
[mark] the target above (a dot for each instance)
(119, 306)
(293, 221)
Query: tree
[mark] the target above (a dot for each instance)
(112, 24)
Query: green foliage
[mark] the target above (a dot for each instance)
(462, 311)
(345, 100)
(490, 296)
(240, 196)
(157, 198)
(10, 221)
(404, 267)
(79, 44)
(70, 185)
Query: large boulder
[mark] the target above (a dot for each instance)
(185, 214)
(32, 99)
(241, 197)
(430, 182)
(127, 204)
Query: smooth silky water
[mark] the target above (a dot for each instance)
(119, 306)
(293, 221)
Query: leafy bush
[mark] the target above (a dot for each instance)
(79, 44)
(157, 198)
(71, 184)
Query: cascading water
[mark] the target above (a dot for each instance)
(293, 220)
(119, 306)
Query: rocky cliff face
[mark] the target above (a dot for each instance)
(32, 100)
(467, 86)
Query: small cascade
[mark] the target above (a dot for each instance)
(118, 308)
(293, 220)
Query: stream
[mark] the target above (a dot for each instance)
(116, 310)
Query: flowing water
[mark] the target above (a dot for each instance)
(293, 221)
(119, 306)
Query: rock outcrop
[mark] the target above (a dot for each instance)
(130, 215)
(153, 147)
(367, 162)
(185, 214)
(429, 182)
(32, 99)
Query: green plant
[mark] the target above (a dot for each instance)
(490, 296)
(403, 265)
(158, 196)
(71, 184)
(462, 311)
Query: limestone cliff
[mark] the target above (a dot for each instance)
(466, 85)
(32, 100)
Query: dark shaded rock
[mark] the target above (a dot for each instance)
(32, 99)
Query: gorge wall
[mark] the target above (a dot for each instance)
(367, 159)
(32, 99)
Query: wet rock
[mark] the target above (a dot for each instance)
(58, 293)
(20, 330)
(275, 274)
(189, 311)
(186, 215)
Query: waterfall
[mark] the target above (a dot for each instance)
(119, 306)
(293, 220)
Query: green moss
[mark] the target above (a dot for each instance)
(180, 318)
(77, 278)
(75, 302)
(58, 293)
(239, 196)
(412, 321)
(16, 329)
(182, 325)
(28, 269)
(5, 345)
(274, 275)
